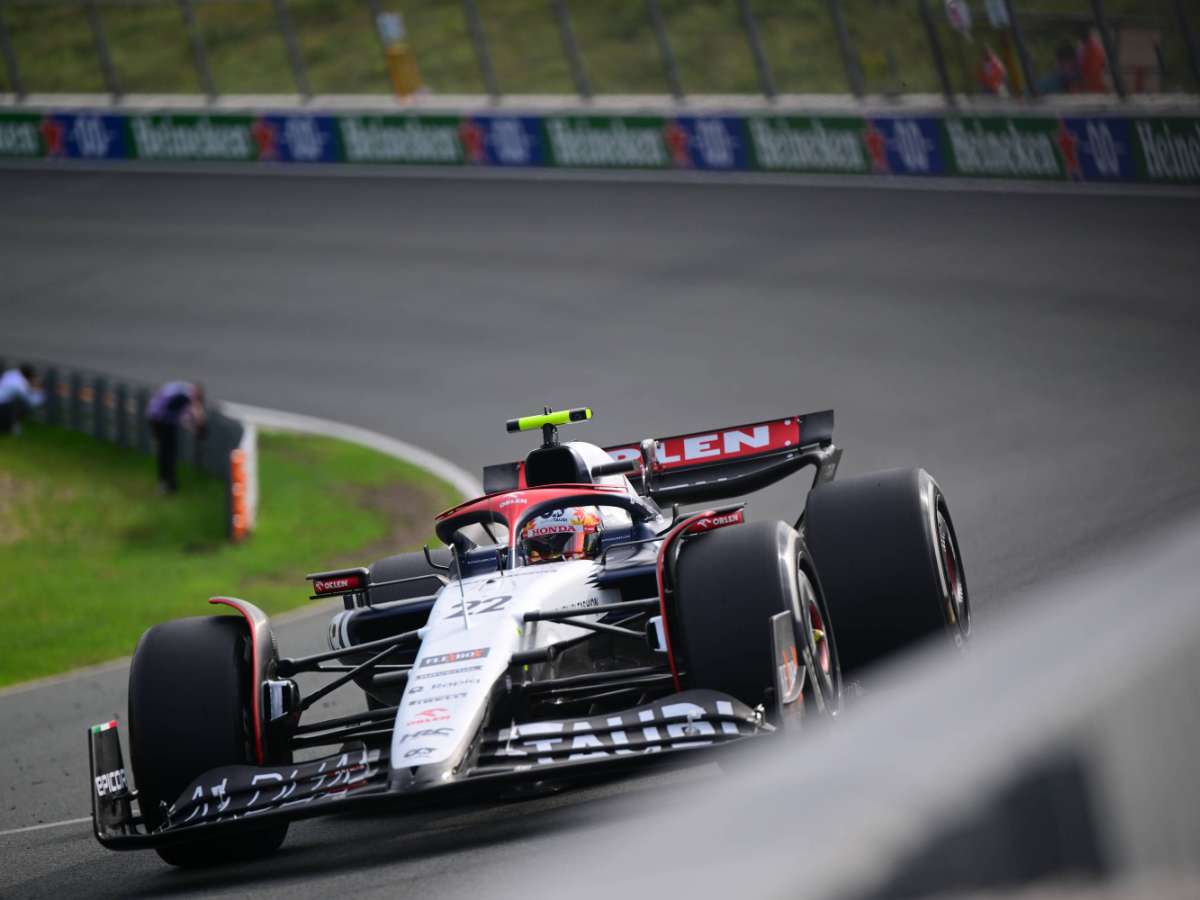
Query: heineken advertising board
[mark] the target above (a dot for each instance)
(1163, 150)
(193, 138)
(1071, 149)
(905, 146)
(1168, 149)
(793, 144)
(413, 140)
(648, 142)
(228, 138)
(503, 140)
(848, 145)
(20, 135)
(608, 142)
(64, 136)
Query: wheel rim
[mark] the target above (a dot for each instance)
(818, 655)
(958, 604)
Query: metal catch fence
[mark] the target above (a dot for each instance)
(583, 48)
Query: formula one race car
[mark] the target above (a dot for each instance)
(576, 623)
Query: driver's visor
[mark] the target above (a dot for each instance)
(558, 546)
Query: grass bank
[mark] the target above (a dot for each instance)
(151, 54)
(91, 556)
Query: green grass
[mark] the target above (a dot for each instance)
(151, 52)
(91, 556)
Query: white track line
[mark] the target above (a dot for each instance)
(278, 420)
(637, 176)
(463, 481)
(45, 825)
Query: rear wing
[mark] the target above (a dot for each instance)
(707, 466)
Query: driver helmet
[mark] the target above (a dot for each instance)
(570, 533)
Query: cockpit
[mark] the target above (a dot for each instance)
(560, 496)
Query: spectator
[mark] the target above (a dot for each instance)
(1093, 64)
(175, 405)
(1065, 74)
(19, 393)
(992, 74)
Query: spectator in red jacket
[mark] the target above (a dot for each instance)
(1093, 64)
(992, 74)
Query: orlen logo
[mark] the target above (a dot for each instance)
(719, 446)
(427, 716)
(332, 585)
(110, 783)
(708, 523)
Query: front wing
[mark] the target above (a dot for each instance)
(235, 798)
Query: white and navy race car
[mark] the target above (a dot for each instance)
(576, 623)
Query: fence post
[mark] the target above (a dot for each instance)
(101, 41)
(1189, 38)
(854, 75)
(664, 49)
(41, 412)
(295, 60)
(762, 67)
(199, 57)
(100, 429)
(1110, 48)
(10, 59)
(75, 401)
(482, 56)
(571, 49)
(52, 390)
(142, 434)
(121, 395)
(1027, 73)
(935, 49)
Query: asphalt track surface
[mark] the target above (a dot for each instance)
(1038, 354)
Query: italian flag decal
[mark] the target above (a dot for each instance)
(104, 726)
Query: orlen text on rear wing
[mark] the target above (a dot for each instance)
(714, 465)
(730, 462)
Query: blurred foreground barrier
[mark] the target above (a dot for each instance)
(1062, 747)
(114, 410)
(1070, 145)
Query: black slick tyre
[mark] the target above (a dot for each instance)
(729, 584)
(189, 712)
(885, 548)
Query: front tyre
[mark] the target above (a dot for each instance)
(189, 712)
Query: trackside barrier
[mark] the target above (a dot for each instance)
(1066, 145)
(243, 483)
(1061, 747)
(114, 410)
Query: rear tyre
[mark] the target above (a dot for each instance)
(189, 712)
(729, 584)
(885, 547)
